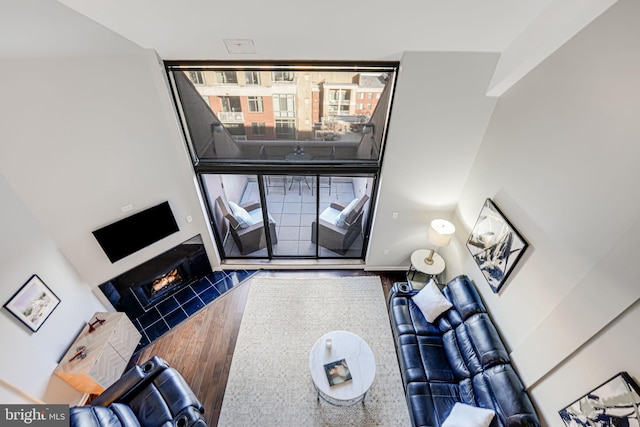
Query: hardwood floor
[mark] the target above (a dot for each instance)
(201, 348)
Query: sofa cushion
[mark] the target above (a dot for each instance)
(408, 319)
(116, 415)
(463, 415)
(431, 302)
(500, 388)
(422, 358)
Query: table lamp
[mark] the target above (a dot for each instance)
(440, 233)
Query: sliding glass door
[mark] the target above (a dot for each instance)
(289, 215)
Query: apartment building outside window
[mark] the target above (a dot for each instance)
(255, 104)
(197, 77)
(258, 128)
(284, 105)
(252, 77)
(227, 77)
(283, 76)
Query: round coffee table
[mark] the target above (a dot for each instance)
(359, 360)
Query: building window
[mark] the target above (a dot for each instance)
(361, 95)
(235, 129)
(284, 105)
(282, 76)
(258, 128)
(360, 106)
(197, 77)
(285, 129)
(339, 95)
(252, 77)
(368, 106)
(226, 77)
(255, 104)
(230, 104)
(370, 95)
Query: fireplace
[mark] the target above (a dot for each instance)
(139, 289)
(164, 282)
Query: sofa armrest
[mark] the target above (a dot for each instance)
(131, 382)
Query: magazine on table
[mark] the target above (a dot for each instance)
(337, 372)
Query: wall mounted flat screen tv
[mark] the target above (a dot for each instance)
(129, 235)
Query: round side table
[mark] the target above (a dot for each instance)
(418, 264)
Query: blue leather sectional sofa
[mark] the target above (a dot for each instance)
(458, 358)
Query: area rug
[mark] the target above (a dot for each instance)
(269, 382)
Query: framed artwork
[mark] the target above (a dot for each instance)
(495, 245)
(33, 303)
(614, 403)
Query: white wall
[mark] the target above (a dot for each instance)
(29, 358)
(87, 128)
(439, 116)
(560, 159)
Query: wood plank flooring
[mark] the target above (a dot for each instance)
(201, 348)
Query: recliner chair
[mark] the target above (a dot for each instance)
(150, 395)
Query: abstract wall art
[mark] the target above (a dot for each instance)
(614, 403)
(495, 245)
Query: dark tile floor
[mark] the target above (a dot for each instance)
(185, 303)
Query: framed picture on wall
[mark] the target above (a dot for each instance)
(33, 303)
(495, 245)
(614, 403)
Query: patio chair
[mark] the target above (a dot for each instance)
(339, 225)
(246, 226)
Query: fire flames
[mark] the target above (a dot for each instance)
(165, 280)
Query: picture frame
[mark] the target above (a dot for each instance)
(616, 402)
(33, 303)
(495, 245)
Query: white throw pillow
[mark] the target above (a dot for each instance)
(431, 301)
(241, 215)
(463, 415)
(342, 216)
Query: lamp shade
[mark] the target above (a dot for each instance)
(440, 232)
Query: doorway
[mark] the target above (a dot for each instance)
(309, 216)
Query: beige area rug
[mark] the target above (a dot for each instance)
(269, 381)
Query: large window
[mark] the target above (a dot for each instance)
(294, 144)
(306, 105)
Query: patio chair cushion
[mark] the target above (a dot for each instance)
(341, 219)
(243, 217)
(330, 215)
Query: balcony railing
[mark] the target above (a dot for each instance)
(231, 117)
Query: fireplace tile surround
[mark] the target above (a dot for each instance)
(165, 290)
(168, 313)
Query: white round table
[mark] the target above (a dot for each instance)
(360, 361)
(418, 258)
